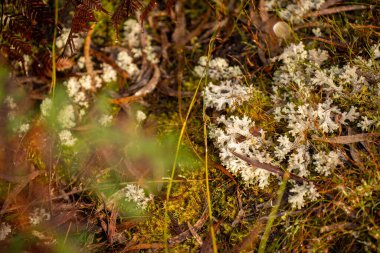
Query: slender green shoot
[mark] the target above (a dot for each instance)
(272, 215)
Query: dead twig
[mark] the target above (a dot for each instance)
(330, 42)
(87, 56)
(334, 10)
(149, 87)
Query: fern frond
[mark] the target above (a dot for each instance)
(148, 9)
(122, 12)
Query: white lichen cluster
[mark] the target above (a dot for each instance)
(294, 11)
(135, 194)
(38, 216)
(228, 93)
(225, 90)
(233, 134)
(217, 69)
(307, 102)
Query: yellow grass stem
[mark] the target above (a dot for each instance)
(54, 69)
(183, 129)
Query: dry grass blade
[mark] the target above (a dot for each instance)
(194, 233)
(348, 139)
(249, 243)
(336, 10)
(269, 168)
(224, 171)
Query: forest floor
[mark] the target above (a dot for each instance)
(211, 126)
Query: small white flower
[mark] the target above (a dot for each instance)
(10, 102)
(109, 74)
(66, 117)
(149, 51)
(5, 230)
(317, 32)
(85, 82)
(140, 116)
(375, 50)
(38, 215)
(126, 62)
(81, 62)
(67, 139)
(76, 89)
(46, 107)
(133, 193)
(106, 120)
(132, 32)
(24, 128)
